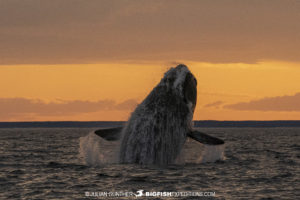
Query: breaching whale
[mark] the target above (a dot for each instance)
(159, 126)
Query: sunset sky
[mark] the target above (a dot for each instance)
(93, 60)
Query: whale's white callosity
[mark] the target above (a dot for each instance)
(157, 129)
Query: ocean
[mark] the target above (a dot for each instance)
(49, 163)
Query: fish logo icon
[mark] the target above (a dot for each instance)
(139, 193)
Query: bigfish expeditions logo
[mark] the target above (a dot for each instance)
(141, 193)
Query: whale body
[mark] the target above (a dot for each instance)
(157, 129)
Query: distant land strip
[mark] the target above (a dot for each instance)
(94, 124)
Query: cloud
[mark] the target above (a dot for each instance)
(214, 104)
(279, 103)
(219, 94)
(11, 107)
(80, 31)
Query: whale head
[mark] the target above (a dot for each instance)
(181, 80)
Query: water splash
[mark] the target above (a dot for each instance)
(95, 151)
(195, 152)
(212, 153)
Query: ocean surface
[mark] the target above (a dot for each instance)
(60, 163)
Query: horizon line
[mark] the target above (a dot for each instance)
(212, 120)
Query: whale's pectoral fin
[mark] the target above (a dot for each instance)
(204, 138)
(110, 134)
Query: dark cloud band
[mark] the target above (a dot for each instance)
(80, 31)
(280, 103)
(11, 107)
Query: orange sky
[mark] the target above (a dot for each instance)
(111, 91)
(96, 60)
